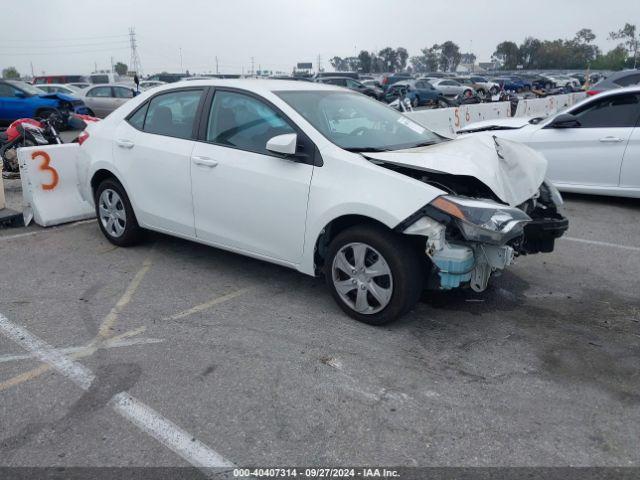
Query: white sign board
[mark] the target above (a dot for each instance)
(50, 185)
(447, 121)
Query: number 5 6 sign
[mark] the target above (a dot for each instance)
(50, 184)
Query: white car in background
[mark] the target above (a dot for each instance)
(60, 88)
(103, 99)
(592, 147)
(449, 87)
(320, 179)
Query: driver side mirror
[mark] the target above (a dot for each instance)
(565, 120)
(283, 144)
(19, 95)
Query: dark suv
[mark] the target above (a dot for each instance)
(626, 78)
(352, 84)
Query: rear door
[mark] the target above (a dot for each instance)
(99, 99)
(592, 153)
(152, 150)
(121, 96)
(247, 198)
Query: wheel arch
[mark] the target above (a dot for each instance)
(333, 228)
(100, 176)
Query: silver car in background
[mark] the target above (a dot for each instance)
(105, 98)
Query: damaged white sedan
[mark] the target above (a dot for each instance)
(323, 180)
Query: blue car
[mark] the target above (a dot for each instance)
(419, 92)
(21, 100)
(509, 83)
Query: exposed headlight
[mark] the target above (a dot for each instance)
(482, 220)
(554, 194)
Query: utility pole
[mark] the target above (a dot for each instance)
(32, 74)
(95, 67)
(217, 72)
(252, 64)
(112, 69)
(319, 64)
(181, 69)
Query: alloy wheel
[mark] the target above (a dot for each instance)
(362, 278)
(112, 212)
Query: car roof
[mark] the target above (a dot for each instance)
(260, 86)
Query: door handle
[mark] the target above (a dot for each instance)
(611, 140)
(205, 161)
(123, 143)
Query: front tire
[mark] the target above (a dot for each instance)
(374, 274)
(115, 215)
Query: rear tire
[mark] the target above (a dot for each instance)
(116, 218)
(375, 275)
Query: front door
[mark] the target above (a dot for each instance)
(592, 153)
(245, 197)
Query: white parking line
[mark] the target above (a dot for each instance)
(602, 244)
(141, 415)
(69, 350)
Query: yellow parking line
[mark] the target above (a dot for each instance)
(207, 305)
(110, 320)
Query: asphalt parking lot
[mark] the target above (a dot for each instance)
(257, 364)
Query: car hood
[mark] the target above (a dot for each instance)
(59, 96)
(507, 123)
(513, 171)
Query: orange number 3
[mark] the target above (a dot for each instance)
(45, 167)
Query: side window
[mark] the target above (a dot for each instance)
(173, 114)
(352, 83)
(628, 80)
(121, 92)
(137, 119)
(610, 112)
(99, 92)
(6, 90)
(241, 121)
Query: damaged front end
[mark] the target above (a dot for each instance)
(469, 239)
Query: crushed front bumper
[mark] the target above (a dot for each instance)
(541, 233)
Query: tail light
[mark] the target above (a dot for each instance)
(591, 93)
(83, 137)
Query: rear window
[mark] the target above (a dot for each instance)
(632, 79)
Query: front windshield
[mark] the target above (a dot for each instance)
(357, 123)
(30, 89)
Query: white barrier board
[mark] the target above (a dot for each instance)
(2, 200)
(50, 185)
(542, 107)
(447, 121)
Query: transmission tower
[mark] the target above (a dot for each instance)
(134, 62)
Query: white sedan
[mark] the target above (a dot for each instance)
(320, 179)
(592, 147)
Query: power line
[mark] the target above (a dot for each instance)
(22, 54)
(41, 40)
(117, 42)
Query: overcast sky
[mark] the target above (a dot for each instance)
(71, 36)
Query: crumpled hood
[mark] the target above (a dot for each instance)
(513, 171)
(507, 123)
(59, 96)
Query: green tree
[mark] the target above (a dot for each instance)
(630, 39)
(338, 63)
(389, 58)
(121, 68)
(366, 61)
(10, 73)
(403, 56)
(529, 52)
(613, 60)
(449, 56)
(508, 54)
